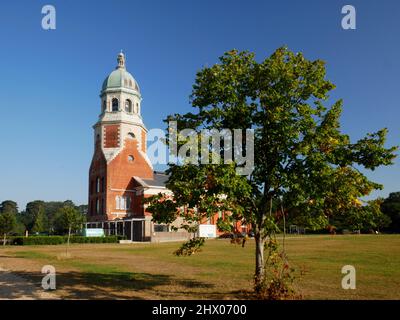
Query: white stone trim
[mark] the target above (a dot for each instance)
(119, 214)
(122, 190)
(153, 191)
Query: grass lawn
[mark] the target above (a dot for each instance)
(220, 271)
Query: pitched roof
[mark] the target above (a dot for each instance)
(159, 180)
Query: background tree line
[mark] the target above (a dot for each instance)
(382, 215)
(39, 217)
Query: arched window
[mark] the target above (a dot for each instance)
(104, 106)
(131, 135)
(128, 106)
(131, 158)
(115, 104)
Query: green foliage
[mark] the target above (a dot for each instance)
(41, 222)
(191, 247)
(69, 219)
(9, 206)
(391, 208)
(38, 240)
(33, 210)
(57, 240)
(19, 227)
(364, 218)
(106, 239)
(301, 158)
(226, 224)
(51, 209)
(40, 216)
(301, 154)
(7, 223)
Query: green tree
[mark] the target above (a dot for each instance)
(20, 226)
(9, 206)
(364, 218)
(391, 208)
(70, 219)
(7, 224)
(33, 211)
(40, 224)
(51, 209)
(300, 151)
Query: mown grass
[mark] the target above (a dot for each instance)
(221, 270)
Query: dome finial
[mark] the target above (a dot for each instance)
(121, 60)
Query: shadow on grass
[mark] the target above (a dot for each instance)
(112, 285)
(2, 257)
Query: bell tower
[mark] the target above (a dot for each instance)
(119, 147)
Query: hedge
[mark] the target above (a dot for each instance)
(55, 240)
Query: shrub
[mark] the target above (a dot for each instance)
(191, 247)
(279, 277)
(82, 239)
(38, 240)
(55, 240)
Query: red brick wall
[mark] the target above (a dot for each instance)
(117, 175)
(120, 172)
(98, 169)
(111, 136)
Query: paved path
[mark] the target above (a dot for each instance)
(15, 287)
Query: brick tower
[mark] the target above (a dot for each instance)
(119, 148)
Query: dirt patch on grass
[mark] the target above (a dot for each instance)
(14, 286)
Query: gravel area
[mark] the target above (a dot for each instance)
(13, 287)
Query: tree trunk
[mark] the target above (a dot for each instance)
(259, 274)
(4, 239)
(69, 236)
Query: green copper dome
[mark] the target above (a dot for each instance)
(120, 78)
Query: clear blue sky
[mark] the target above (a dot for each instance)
(50, 80)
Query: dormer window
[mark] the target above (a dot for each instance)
(114, 104)
(128, 106)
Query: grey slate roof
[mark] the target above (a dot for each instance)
(160, 179)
